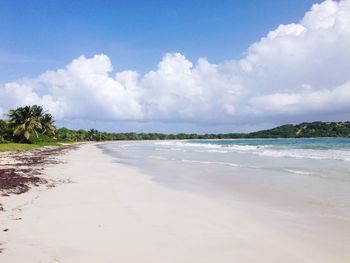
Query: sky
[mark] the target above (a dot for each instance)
(177, 66)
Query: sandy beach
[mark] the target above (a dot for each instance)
(104, 211)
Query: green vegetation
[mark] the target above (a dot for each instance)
(303, 130)
(31, 127)
(306, 130)
(27, 121)
(4, 147)
(27, 128)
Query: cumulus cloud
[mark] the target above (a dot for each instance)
(297, 71)
(84, 89)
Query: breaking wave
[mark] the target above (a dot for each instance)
(261, 150)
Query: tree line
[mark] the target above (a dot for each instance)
(32, 124)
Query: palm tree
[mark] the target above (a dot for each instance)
(28, 120)
(46, 120)
(37, 111)
(47, 124)
(93, 135)
(23, 123)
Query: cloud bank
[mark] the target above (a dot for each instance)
(296, 72)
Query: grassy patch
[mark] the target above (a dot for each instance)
(4, 147)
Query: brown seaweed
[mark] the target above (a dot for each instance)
(25, 170)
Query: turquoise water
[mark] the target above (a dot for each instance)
(311, 148)
(302, 143)
(316, 170)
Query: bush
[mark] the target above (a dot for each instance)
(41, 139)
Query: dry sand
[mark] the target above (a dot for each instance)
(113, 213)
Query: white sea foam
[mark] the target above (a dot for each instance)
(341, 155)
(261, 150)
(297, 172)
(212, 151)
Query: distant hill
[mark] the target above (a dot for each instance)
(306, 129)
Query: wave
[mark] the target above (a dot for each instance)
(340, 155)
(210, 145)
(260, 150)
(298, 172)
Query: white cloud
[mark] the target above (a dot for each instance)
(83, 90)
(300, 70)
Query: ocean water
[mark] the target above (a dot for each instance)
(292, 175)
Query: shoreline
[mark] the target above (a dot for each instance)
(110, 212)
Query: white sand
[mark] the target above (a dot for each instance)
(114, 213)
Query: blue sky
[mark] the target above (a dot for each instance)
(40, 35)
(177, 66)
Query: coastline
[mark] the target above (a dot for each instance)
(110, 212)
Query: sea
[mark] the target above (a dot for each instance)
(306, 178)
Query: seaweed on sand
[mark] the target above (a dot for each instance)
(21, 170)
